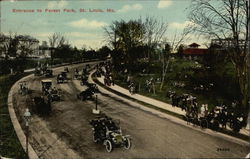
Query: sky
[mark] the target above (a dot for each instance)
(86, 28)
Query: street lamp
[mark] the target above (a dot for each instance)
(96, 110)
(27, 116)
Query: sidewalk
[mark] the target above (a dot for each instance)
(156, 103)
(144, 99)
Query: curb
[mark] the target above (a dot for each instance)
(18, 129)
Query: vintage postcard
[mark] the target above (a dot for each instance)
(124, 79)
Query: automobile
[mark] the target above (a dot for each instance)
(108, 133)
(46, 85)
(62, 77)
(54, 94)
(84, 80)
(86, 94)
(48, 73)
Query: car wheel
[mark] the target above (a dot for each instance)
(108, 145)
(127, 143)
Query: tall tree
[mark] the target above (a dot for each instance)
(229, 20)
(125, 36)
(155, 31)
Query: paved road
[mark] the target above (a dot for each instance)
(152, 136)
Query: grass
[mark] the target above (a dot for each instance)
(9, 143)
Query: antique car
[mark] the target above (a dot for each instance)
(62, 77)
(46, 85)
(86, 94)
(84, 80)
(54, 94)
(106, 132)
(48, 73)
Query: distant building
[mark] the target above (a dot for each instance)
(194, 50)
(44, 50)
(23, 41)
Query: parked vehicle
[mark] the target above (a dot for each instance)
(46, 85)
(108, 133)
(62, 77)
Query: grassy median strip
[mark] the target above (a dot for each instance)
(228, 132)
(9, 143)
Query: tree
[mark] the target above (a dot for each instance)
(165, 62)
(180, 49)
(227, 20)
(155, 31)
(125, 36)
(56, 41)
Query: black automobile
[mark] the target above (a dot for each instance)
(46, 85)
(108, 133)
(62, 77)
(86, 94)
(48, 73)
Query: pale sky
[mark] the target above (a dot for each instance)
(86, 28)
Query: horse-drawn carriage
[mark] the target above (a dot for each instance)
(108, 133)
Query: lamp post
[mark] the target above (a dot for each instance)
(27, 117)
(96, 110)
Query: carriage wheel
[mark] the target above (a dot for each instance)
(203, 123)
(108, 145)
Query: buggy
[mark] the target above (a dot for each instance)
(46, 85)
(106, 132)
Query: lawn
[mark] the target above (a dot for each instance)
(190, 72)
(9, 143)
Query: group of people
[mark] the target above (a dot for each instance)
(105, 69)
(220, 115)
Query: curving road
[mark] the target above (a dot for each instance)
(67, 134)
